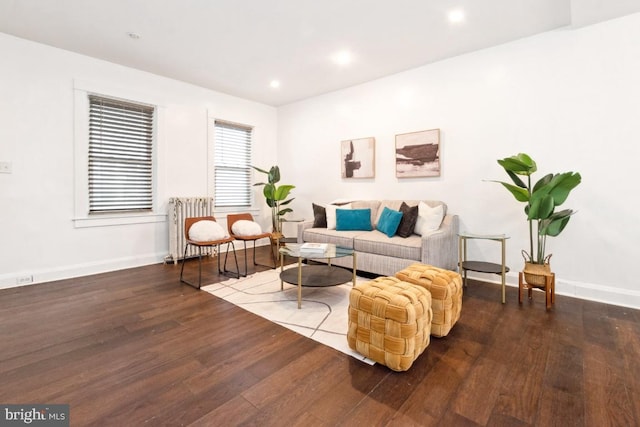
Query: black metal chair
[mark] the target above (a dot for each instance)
(232, 219)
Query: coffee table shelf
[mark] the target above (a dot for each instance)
(315, 275)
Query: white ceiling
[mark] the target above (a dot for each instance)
(239, 46)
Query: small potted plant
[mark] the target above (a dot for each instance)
(541, 201)
(276, 196)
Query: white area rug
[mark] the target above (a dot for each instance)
(323, 316)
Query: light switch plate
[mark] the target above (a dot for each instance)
(5, 167)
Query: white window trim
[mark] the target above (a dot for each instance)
(82, 219)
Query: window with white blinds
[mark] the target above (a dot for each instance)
(232, 165)
(120, 155)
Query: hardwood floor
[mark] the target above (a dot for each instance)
(135, 347)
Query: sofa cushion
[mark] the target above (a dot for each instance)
(319, 216)
(353, 219)
(338, 238)
(409, 219)
(378, 243)
(389, 221)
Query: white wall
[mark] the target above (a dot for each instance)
(570, 98)
(37, 232)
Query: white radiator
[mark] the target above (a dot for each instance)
(179, 209)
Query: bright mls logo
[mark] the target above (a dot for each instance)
(34, 415)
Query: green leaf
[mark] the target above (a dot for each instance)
(554, 225)
(541, 207)
(274, 174)
(516, 180)
(282, 192)
(260, 170)
(520, 164)
(284, 211)
(268, 191)
(542, 185)
(563, 184)
(521, 194)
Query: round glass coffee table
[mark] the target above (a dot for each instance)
(315, 275)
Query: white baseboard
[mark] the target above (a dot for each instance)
(10, 280)
(587, 291)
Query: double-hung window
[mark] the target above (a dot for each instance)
(120, 156)
(232, 165)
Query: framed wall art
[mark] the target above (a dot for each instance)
(358, 158)
(418, 154)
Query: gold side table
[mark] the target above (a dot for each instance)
(482, 266)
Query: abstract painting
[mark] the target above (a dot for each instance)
(358, 158)
(418, 154)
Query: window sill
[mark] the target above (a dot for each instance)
(123, 219)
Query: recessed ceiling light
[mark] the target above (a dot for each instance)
(456, 16)
(132, 35)
(342, 58)
(274, 84)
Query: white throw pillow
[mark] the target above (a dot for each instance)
(429, 219)
(331, 214)
(245, 228)
(207, 231)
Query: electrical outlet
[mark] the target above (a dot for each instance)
(5, 167)
(24, 280)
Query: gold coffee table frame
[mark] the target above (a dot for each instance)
(332, 251)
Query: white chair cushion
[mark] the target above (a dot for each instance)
(207, 231)
(429, 219)
(245, 228)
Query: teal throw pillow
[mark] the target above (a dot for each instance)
(389, 221)
(353, 219)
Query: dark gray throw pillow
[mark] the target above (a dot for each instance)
(320, 216)
(408, 221)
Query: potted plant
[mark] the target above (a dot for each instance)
(541, 201)
(276, 196)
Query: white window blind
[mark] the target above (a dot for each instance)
(120, 155)
(232, 165)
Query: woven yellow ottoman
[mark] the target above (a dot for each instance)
(446, 294)
(389, 321)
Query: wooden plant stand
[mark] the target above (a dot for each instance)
(549, 288)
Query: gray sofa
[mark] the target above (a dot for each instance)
(376, 253)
